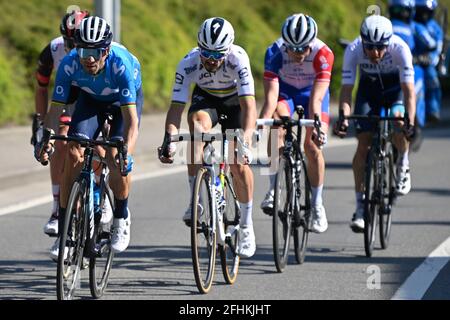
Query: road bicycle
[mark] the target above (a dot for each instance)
(215, 213)
(291, 214)
(82, 234)
(380, 178)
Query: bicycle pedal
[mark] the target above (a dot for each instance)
(268, 211)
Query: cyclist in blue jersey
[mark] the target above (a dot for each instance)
(428, 51)
(401, 13)
(109, 79)
(49, 60)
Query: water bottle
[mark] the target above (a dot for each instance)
(96, 198)
(219, 194)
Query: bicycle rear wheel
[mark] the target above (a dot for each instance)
(388, 192)
(302, 227)
(282, 217)
(100, 265)
(203, 237)
(71, 244)
(370, 204)
(228, 257)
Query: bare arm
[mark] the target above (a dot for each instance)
(248, 107)
(271, 91)
(130, 131)
(41, 100)
(173, 118)
(318, 93)
(410, 100)
(345, 99)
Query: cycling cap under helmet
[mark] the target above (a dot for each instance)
(376, 29)
(94, 32)
(299, 30)
(215, 34)
(70, 22)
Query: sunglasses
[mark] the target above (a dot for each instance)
(211, 54)
(371, 46)
(297, 49)
(69, 43)
(85, 53)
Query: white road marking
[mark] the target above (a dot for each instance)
(423, 276)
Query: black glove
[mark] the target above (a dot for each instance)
(37, 123)
(410, 131)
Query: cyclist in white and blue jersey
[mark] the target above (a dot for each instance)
(109, 78)
(386, 80)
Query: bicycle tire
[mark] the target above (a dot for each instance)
(228, 257)
(202, 233)
(72, 236)
(100, 266)
(304, 204)
(370, 205)
(282, 217)
(388, 191)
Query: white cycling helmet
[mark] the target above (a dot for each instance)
(376, 29)
(215, 34)
(94, 32)
(299, 30)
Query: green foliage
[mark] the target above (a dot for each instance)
(160, 33)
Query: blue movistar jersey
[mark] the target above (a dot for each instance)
(405, 31)
(429, 40)
(119, 80)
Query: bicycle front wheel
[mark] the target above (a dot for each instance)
(203, 236)
(370, 204)
(100, 265)
(71, 245)
(301, 230)
(282, 217)
(228, 256)
(388, 192)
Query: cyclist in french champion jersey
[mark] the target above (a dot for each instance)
(49, 60)
(109, 79)
(224, 88)
(386, 80)
(298, 72)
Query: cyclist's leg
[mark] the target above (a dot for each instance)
(364, 133)
(242, 178)
(285, 108)
(119, 184)
(316, 161)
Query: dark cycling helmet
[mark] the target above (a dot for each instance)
(402, 10)
(425, 10)
(376, 29)
(70, 22)
(94, 32)
(299, 30)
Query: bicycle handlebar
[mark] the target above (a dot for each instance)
(119, 144)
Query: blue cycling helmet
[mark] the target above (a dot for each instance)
(430, 4)
(402, 10)
(402, 3)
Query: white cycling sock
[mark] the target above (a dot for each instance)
(55, 191)
(316, 195)
(246, 214)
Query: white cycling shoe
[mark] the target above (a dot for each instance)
(107, 213)
(319, 222)
(54, 251)
(267, 203)
(404, 181)
(121, 234)
(357, 224)
(51, 227)
(247, 244)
